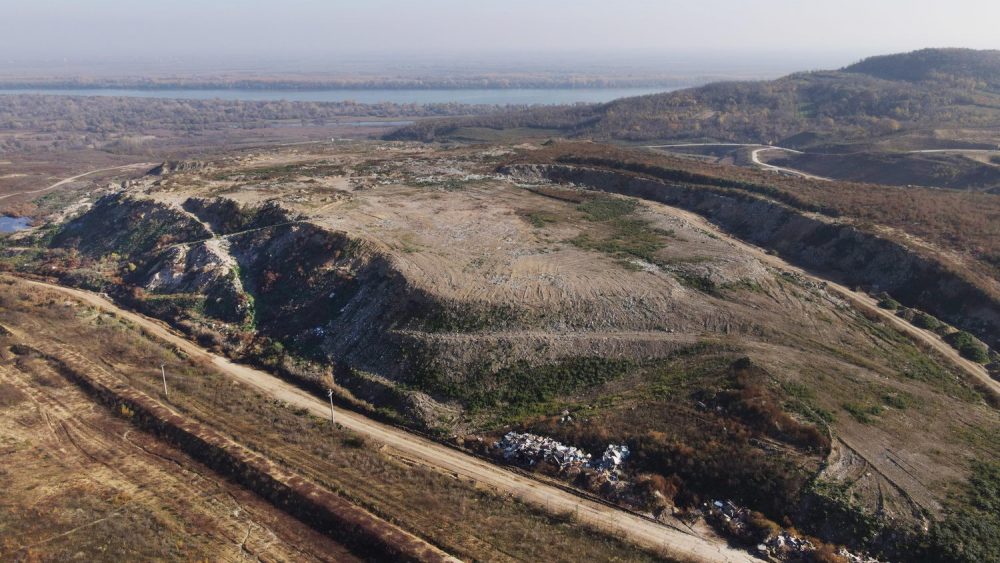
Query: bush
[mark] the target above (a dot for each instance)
(924, 320)
(889, 303)
(969, 347)
(863, 413)
(971, 530)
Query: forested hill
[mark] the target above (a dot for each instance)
(965, 68)
(867, 101)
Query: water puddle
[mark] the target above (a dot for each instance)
(14, 224)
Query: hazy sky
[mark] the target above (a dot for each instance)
(826, 30)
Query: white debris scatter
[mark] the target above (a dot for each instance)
(783, 544)
(856, 558)
(780, 546)
(612, 459)
(531, 449)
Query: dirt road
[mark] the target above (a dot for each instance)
(78, 479)
(754, 156)
(679, 542)
(65, 181)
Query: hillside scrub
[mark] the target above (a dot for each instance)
(850, 247)
(970, 532)
(701, 433)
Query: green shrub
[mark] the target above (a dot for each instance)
(924, 320)
(970, 532)
(889, 303)
(969, 347)
(863, 413)
(607, 208)
(896, 400)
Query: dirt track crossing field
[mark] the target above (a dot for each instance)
(677, 541)
(78, 480)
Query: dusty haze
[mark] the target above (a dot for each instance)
(765, 37)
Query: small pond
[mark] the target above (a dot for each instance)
(13, 224)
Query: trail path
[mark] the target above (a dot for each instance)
(754, 156)
(677, 541)
(77, 177)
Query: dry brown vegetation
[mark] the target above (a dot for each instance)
(957, 225)
(454, 515)
(80, 481)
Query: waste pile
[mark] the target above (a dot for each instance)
(614, 456)
(779, 546)
(856, 558)
(531, 448)
(783, 545)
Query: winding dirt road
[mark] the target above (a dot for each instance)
(677, 541)
(754, 156)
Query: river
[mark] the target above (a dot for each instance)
(502, 96)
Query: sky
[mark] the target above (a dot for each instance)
(815, 33)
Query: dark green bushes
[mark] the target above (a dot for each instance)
(518, 387)
(888, 303)
(970, 532)
(968, 346)
(924, 320)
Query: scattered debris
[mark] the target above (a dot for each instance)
(613, 458)
(531, 449)
(856, 558)
(782, 545)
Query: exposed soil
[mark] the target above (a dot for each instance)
(80, 482)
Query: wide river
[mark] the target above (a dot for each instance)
(462, 96)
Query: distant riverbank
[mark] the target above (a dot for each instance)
(491, 96)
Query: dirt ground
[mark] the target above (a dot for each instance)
(454, 229)
(463, 513)
(82, 484)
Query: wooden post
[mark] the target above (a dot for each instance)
(329, 394)
(163, 372)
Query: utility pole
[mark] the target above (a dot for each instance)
(163, 372)
(329, 393)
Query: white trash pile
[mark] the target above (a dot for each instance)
(531, 449)
(612, 459)
(784, 543)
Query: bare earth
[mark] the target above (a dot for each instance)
(679, 541)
